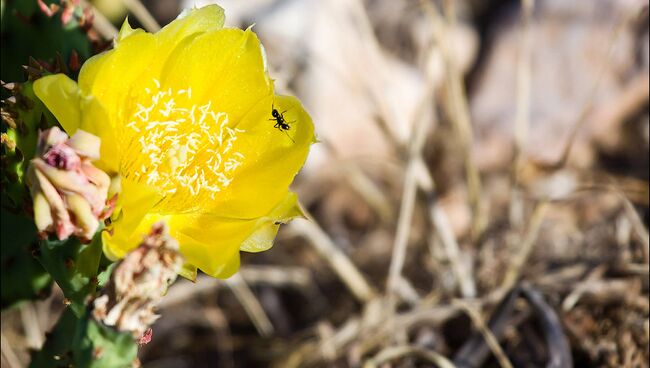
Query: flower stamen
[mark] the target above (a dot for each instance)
(170, 139)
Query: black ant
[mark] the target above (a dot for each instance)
(280, 122)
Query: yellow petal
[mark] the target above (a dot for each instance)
(188, 271)
(134, 202)
(94, 68)
(224, 67)
(117, 77)
(95, 120)
(209, 242)
(126, 31)
(212, 243)
(61, 96)
(262, 238)
(272, 158)
(229, 268)
(205, 19)
(110, 76)
(91, 69)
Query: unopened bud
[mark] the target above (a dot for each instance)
(68, 192)
(138, 283)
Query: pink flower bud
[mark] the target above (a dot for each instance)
(62, 157)
(138, 283)
(68, 192)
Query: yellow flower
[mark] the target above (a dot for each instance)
(185, 118)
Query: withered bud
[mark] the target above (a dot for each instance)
(138, 283)
(68, 192)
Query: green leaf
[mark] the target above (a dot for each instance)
(83, 342)
(74, 267)
(23, 278)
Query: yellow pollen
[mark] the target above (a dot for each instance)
(183, 149)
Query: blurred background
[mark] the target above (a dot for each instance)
(479, 195)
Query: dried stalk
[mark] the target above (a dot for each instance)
(413, 171)
(101, 24)
(440, 221)
(459, 109)
(8, 353)
(251, 305)
(340, 263)
(522, 120)
(489, 337)
(396, 352)
(589, 102)
(142, 14)
(33, 332)
(523, 252)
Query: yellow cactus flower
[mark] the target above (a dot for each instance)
(189, 121)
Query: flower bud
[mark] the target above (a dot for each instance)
(68, 192)
(138, 283)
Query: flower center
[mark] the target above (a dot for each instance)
(183, 149)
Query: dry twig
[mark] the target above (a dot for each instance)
(522, 119)
(340, 263)
(8, 353)
(489, 337)
(396, 352)
(443, 229)
(101, 24)
(33, 331)
(142, 14)
(253, 308)
(588, 105)
(518, 260)
(458, 108)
